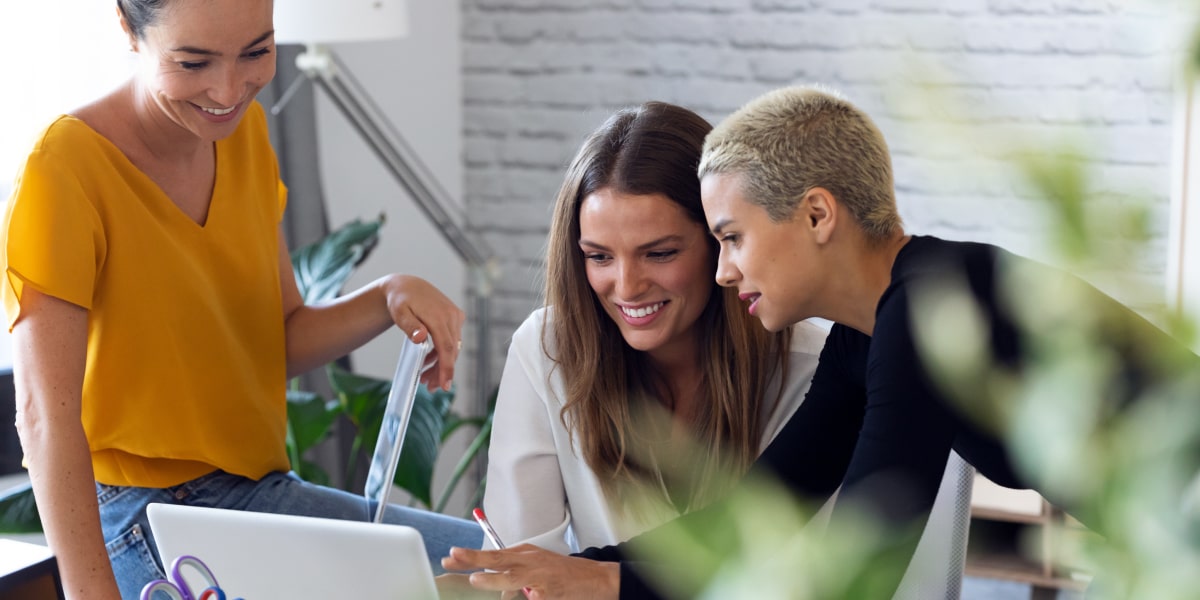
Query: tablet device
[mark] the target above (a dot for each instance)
(395, 423)
(260, 556)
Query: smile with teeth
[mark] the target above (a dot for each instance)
(644, 311)
(218, 111)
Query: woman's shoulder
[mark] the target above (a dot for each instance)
(66, 134)
(927, 256)
(534, 335)
(69, 149)
(529, 353)
(534, 324)
(103, 121)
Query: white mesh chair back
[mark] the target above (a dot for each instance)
(936, 570)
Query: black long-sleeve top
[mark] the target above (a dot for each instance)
(875, 421)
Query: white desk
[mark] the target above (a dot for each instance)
(28, 572)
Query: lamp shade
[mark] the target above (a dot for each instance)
(330, 21)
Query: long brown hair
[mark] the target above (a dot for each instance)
(651, 149)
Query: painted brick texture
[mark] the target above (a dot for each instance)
(959, 87)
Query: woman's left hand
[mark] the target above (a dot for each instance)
(544, 575)
(420, 310)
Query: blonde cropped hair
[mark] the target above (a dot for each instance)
(789, 141)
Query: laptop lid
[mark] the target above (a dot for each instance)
(401, 398)
(261, 556)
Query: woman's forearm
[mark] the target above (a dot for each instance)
(316, 335)
(319, 334)
(50, 354)
(61, 472)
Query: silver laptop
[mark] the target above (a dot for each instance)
(261, 556)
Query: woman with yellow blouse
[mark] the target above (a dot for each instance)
(154, 312)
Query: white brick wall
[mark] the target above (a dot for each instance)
(956, 85)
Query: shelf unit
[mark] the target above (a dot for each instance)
(1010, 539)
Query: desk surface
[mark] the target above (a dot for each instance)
(28, 572)
(15, 555)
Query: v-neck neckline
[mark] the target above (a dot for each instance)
(161, 194)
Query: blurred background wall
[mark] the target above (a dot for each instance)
(955, 85)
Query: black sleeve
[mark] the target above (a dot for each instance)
(809, 456)
(633, 585)
(905, 440)
(811, 453)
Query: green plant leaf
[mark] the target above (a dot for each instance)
(422, 443)
(18, 511)
(476, 499)
(322, 268)
(321, 271)
(479, 444)
(455, 422)
(362, 398)
(309, 419)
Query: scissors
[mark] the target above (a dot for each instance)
(178, 589)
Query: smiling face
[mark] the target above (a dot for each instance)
(771, 264)
(203, 61)
(650, 267)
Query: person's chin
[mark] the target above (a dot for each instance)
(641, 342)
(770, 323)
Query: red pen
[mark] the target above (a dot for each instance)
(491, 534)
(487, 528)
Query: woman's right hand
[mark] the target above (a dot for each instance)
(419, 309)
(544, 575)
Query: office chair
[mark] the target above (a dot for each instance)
(936, 570)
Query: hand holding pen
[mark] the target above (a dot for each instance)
(543, 574)
(491, 534)
(488, 530)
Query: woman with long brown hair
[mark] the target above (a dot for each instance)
(641, 387)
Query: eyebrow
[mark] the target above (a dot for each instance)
(194, 50)
(646, 246)
(720, 224)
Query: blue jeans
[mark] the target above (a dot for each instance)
(134, 556)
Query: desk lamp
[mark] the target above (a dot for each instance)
(315, 23)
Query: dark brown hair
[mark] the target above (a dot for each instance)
(651, 149)
(140, 14)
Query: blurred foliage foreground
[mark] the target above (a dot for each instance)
(1100, 416)
(1124, 456)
